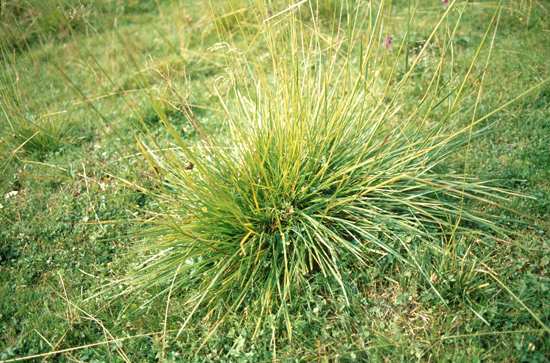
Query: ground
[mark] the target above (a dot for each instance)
(71, 214)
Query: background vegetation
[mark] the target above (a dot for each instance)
(78, 194)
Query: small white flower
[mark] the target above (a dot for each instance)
(316, 310)
(11, 194)
(1, 206)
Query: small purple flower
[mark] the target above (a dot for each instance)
(388, 42)
(445, 3)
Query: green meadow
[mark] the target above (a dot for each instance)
(274, 181)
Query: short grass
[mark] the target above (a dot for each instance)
(76, 79)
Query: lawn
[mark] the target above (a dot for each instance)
(293, 181)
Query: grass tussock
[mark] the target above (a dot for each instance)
(30, 123)
(322, 172)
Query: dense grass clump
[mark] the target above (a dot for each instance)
(322, 172)
(29, 123)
